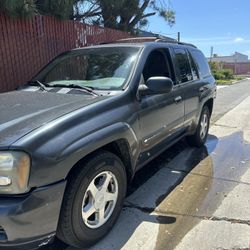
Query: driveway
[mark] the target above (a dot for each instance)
(192, 198)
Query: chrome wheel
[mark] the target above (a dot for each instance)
(203, 125)
(100, 199)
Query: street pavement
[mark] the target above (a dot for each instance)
(230, 96)
(191, 198)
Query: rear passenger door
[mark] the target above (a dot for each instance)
(188, 82)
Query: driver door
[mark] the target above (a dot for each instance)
(161, 116)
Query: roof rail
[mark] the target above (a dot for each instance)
(174, 41)
(155, 39)
(136, 38)
(188, 44)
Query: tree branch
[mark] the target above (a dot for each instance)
(144, 5)
(137, 18)
(149, 14)
(86, 15)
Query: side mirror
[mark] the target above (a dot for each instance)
(156, 85)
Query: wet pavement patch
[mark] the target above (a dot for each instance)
(206, 178)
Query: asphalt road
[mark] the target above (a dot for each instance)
(196, 198)
(229, 97)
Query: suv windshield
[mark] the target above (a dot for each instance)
(97, 68)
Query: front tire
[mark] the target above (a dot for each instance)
(201, 133)
(93, 200)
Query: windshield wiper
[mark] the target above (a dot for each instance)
(39, 84)
(88, 89)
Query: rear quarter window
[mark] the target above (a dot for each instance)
(201, 62)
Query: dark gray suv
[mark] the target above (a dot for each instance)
(72, 138)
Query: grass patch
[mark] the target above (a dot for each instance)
(223, 76)
(238, 78)
(224, 82)
(229, 82)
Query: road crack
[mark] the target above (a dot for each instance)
(224, 126)
(233, 221)
(202, 217)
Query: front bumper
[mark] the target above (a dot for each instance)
(30, 221)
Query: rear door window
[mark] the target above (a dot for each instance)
(193, 67)
(184, 73)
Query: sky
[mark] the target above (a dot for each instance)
(223, 24)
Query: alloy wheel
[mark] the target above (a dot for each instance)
(100, 199)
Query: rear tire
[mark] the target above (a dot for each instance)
(93, 200)
(201, 133)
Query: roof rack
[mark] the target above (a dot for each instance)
(154, 39)
(132, 39)
(136, 39)
(174, 41)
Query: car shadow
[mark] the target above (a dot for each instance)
(151, 185)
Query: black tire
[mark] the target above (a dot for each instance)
(71, 228)
(197, 140)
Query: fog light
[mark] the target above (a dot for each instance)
(5, 181)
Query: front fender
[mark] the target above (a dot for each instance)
(53, 166)
(100, 138)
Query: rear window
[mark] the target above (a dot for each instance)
(193, 67)
(201, 63)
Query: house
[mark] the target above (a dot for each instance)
(235, 58)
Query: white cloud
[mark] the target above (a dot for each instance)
(239, 40)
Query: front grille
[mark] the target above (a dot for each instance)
(3, 235)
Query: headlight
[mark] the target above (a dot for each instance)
(14, 172)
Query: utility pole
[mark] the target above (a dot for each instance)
(179, 36)
(211, 53)
(235, 65)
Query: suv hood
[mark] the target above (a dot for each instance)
(23, 111)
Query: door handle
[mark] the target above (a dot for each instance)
(178, 99)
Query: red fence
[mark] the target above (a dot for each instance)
(28, 44)
(239, 68)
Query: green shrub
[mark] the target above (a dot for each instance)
(213, 66)
(228, 74)
(220, 74)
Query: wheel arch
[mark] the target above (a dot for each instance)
(119, 147)
(210, 104)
